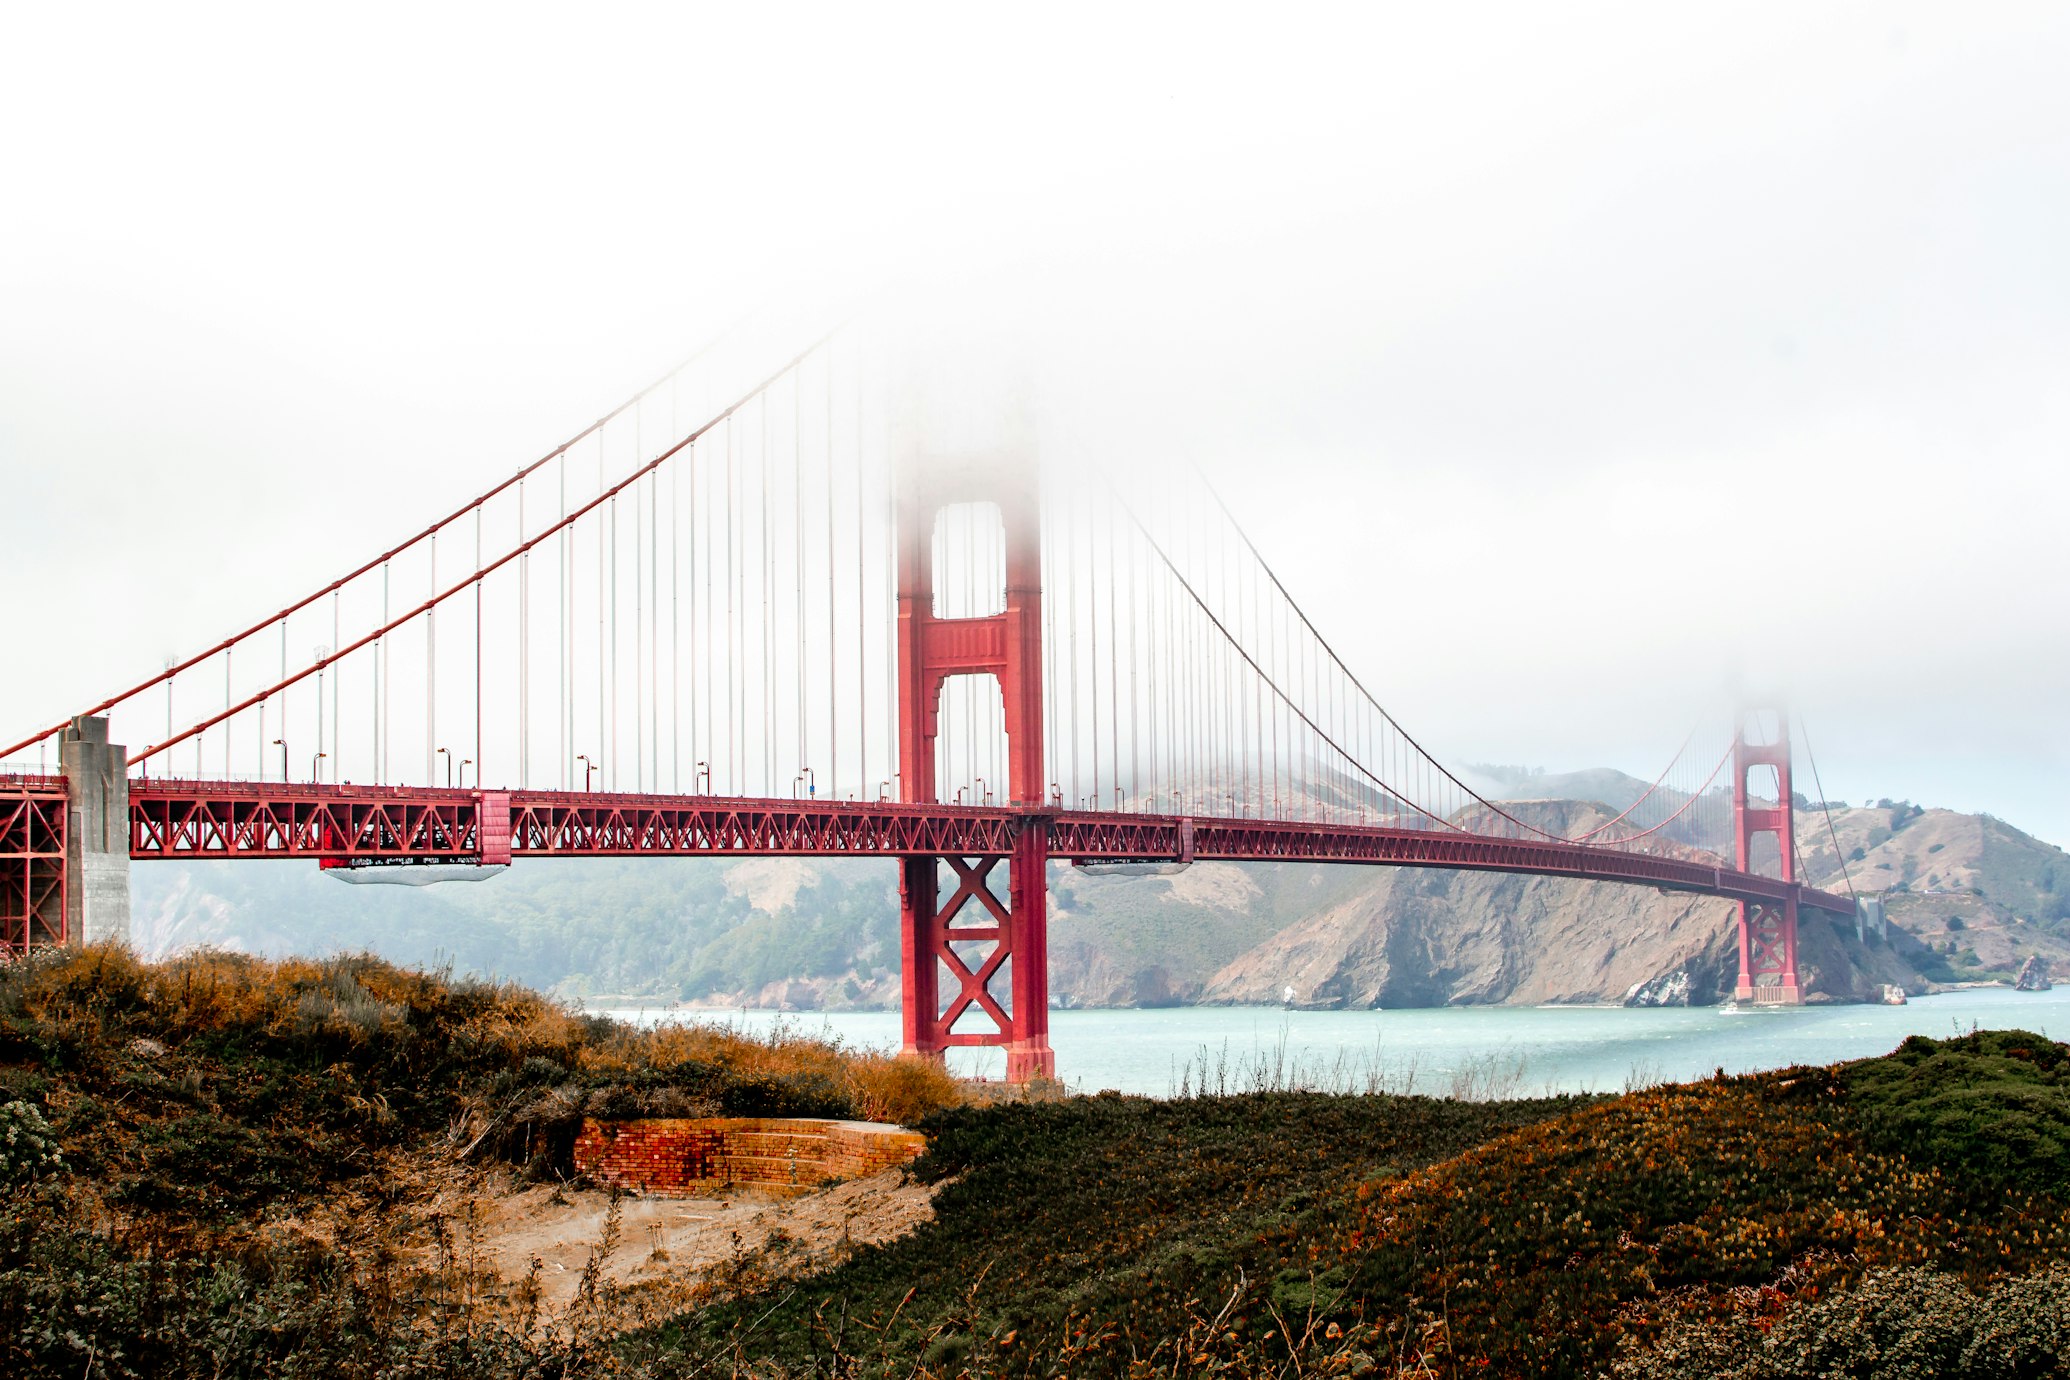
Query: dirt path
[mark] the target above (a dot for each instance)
(670, 1240)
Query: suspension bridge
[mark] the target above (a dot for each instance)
(829, 605)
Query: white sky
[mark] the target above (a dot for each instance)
(1577, 369)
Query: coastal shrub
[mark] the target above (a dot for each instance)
(1889, 1325)
(28, 1147)
(904, 1091)
(74, 1304)
(1993, 1105)
(241, 1080)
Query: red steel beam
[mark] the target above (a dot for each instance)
(171, 818)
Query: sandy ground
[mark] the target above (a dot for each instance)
(504, 1226)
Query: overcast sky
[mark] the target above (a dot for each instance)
(1579, 368)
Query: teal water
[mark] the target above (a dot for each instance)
(1481, 1050)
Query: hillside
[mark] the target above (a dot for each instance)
(219, 1166)
(1978, 893)
(1970, 898)
(1899, 1216)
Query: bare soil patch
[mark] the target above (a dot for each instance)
(670, 1242)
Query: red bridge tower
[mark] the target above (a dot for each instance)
(1767, 929)
(992, 932)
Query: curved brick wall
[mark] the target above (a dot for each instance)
(671, 1155)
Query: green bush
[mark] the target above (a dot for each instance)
(1993, 1105)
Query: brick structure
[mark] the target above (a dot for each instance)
(670, 1156)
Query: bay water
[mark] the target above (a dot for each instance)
(1477, 1051)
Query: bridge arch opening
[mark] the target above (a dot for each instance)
(970, 750)
(1760, 728)
(969, 561)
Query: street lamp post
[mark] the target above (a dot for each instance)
(589, 767)
(465, 763)
(281, 743)
(704, 770)
(447, 753)
(316, 767)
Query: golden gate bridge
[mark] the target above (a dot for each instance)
(830, 605)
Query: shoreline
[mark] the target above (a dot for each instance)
(611, 1004)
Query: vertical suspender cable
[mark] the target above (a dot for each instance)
(833, 695)
(1071, 637)
(430, 675)
(891, 545)
(675, 616)
(1113, 655)
(1049, 643)
(639, 618)
(614, 699)
(798, 551)
(768, 573)
(381, 710)
(477, 645)
(524, 631)
(1092, 620)
(654, 627)
(862, 641)
(564, 594)
(1135, 713)
(734, 707)
(710, 693)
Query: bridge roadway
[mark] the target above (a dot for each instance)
(346, 823)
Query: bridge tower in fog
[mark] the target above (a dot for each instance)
(968, 517)
(1767, 927)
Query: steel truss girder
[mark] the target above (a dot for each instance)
(282, 820)
(236, 819)
(1100, 837)
(33, 816)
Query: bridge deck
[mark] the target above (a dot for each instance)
(208, 819)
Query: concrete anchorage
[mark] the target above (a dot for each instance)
(96, 774)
